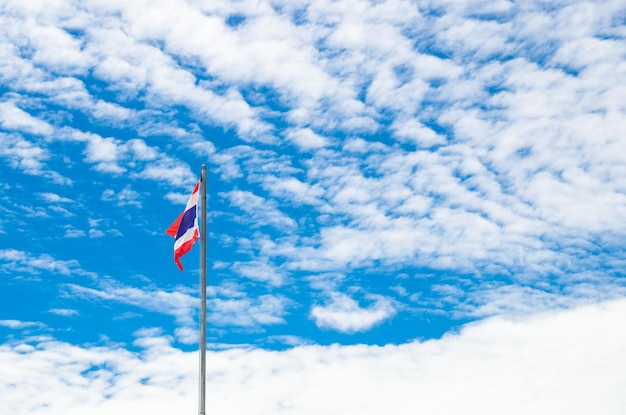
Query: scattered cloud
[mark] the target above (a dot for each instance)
(344, 314)
(378, 172)
(125, 197)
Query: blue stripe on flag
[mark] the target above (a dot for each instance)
(187, 222)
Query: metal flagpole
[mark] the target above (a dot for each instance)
(201, 398)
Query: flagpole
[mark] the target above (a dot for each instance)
(202, 380)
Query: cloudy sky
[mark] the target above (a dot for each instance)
(413, 205)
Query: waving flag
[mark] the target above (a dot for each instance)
(185, 228)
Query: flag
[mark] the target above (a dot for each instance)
(185, 228)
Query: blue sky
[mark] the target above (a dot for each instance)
(421, 190)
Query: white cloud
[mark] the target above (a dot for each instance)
(95, 233)
(169, 171)
(523, 180)
(265, 309)
(16, 324)
(104, 153)
(187, 335)
(294, 190)
(178, 304)
(413, 131)
(56, 49)
(261, 211)
(260, 271)
(26, 156)
(344, 314)
(24, 262)
(306, 139)
(519, 300)
(569, 362)
(178, 198)
(54, 198)
(14, 118)
(226, 306)
(74, 233)
(141, 151)
(125, 197)
(12, 255)
(65, 312)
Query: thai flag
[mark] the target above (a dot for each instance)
(185, 228)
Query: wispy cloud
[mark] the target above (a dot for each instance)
(16, 261)
(248, 312)
(65, 312)
(178, 304)
(16, 324)
(260, 211)
(54, 198)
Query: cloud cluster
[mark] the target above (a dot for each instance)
(568, 363)
(477, 141)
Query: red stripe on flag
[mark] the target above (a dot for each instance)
(184, 248)
(173, 229)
